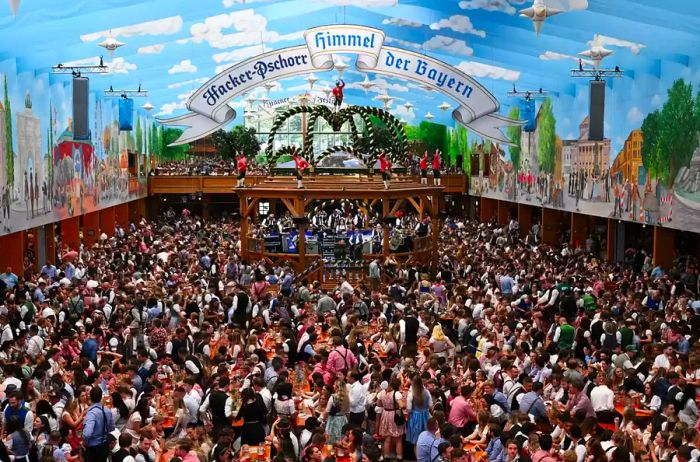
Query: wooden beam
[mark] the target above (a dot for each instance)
(396, 207)
(416, 205)
(250, 209)
(290, 206)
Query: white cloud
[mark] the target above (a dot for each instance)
(635, 48)
(165, 26)
(475, 69)
(488, 5)
(169, 108)
(362, 3)
(458, 23)
(401, 22)
(403, 43)
(402, 113)
(657, 101)
(381, 86)
(184, 66)
(236, 29)
(151, 49)
(239, 54)
(185, 96)
(230, 3)
(568, 5)
(635, 115)
(449, 45)
(554, 56)
(116, 66)
(198, 81)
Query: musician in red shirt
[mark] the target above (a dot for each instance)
(424, 169)
(300, 164)
(436, 167)
(385, 167)
(338, 94)
(241, 166)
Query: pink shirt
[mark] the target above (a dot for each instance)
(461, 412)
(340, 359)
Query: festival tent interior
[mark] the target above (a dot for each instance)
(582, 112)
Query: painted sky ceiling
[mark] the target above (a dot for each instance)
(172, 46)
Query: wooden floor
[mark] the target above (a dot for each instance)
(342, 183)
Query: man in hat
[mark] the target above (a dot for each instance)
(338, 94)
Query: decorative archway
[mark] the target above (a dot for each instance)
(398, 152)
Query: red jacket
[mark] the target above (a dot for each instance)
(241, 165)
(424, 163)
(436, 161)
(338, 90)
(300, 163)
(384, 164)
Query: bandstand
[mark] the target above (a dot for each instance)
(355, 187)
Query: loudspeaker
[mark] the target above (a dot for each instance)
(300, 220)
(596, 115)
(81, 88)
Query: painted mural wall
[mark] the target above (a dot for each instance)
(650, 173)
(46, 175)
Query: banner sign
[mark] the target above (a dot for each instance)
(209, 109)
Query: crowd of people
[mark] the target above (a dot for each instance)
(163, 344)
(206, 167)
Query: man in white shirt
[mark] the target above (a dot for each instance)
(358, 398)
(35, 345)
(602, 399)
(192, 398)
(346, 287)
(662, 359)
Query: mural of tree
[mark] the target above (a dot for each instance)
(670, 134)
(651, 143)
(170, 135)
(679, 122)
(9, 154)
(546, 146)
(139, 136)
(514, 134)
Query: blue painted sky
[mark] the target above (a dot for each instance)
(172, 46)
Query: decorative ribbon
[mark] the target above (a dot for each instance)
(209, 109)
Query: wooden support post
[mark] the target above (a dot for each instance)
(122, 215)
(385, 226)
(91, 228)
(12, 255)
(610, 250)
(70, 233)
(107, 220)
(244, 226)
(664, 246)
(579, 230)
(50, 239)
(524, 219)
(299, 206)
(503, 212)
(549, 226)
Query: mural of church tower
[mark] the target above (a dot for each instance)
(29, 144)
(3, 147)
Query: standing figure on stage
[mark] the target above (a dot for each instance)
(300, 164)
(437, 161)
(424, 169)
(385, 167)
(241, 166)
(338, 94)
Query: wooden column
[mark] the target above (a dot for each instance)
(91, 228)
(301, 242)
(549, 226)
(107, 221)
(386, 209)
(488, 209)
(244, 226)
(50, 242)
(70, 233)
(664, 246)
(121, 212)
(503, 212)
(610, 251)
(524, 219)
(12, 254)
(137, 209)
(579, 230)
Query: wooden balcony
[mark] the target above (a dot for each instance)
(453, 183)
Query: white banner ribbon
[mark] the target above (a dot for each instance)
(209, 109)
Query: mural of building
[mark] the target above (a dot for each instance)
(569, 152)
(30, 160)
(591, 156)
(628, 162)
(558, 159)
(3, 160)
